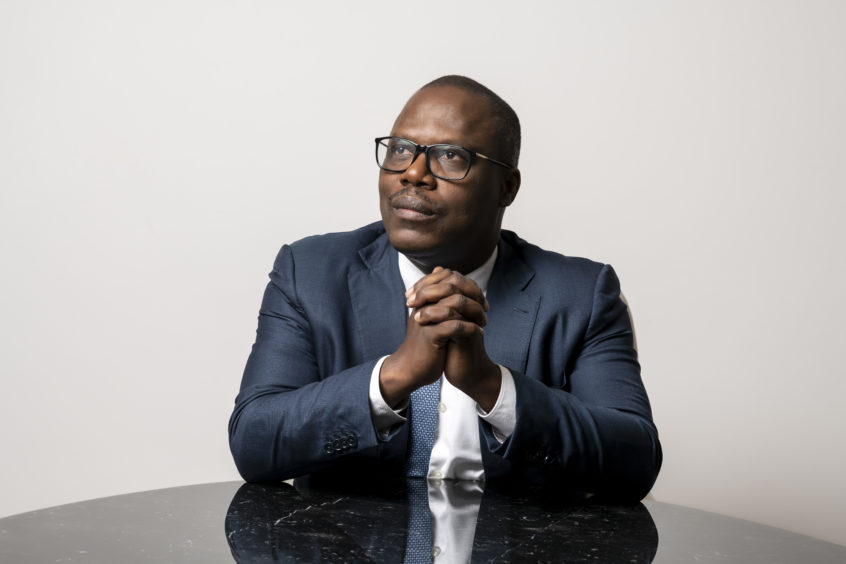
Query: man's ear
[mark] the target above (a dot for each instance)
(510, 187)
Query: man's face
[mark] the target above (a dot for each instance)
(454, 224)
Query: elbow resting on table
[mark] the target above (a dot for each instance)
(252, 448)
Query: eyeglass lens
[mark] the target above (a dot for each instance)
(449, 162)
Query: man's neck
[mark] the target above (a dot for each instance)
(464, 266)
(410, 272)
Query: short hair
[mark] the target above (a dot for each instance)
(509, 123)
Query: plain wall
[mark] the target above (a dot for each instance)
(155, 155)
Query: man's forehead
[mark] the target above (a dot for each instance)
(444, 114)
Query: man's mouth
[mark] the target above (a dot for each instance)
(411, 207)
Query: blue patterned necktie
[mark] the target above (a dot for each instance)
(424, 421)
(418, 543)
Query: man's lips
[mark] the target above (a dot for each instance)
(412, 207)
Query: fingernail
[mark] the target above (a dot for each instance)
(417, 316)
(410, 300)
(409, 292)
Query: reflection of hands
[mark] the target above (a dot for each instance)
(444, 334)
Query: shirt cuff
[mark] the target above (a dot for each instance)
(503, 416)
(383, 415)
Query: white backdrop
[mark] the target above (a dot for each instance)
(155, 155)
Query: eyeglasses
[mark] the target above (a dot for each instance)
(447, 162)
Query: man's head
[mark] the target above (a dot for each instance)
(452, 223)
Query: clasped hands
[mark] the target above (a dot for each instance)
(444, 334)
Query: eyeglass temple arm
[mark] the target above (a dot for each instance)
(487, 158)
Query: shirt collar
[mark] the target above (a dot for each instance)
(411, 274)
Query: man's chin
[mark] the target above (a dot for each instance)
(412, 247)
(417, 246)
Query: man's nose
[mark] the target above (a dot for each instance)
(418, 174)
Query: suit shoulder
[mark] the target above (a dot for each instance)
(322, 262)
(339, 244)
(542, 260)
(562, 281)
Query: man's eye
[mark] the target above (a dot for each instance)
(452, 156)
(399, 150)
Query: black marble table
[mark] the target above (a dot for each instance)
(232, 521)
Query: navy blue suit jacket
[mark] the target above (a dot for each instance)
(335, 304)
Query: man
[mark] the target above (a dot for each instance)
(433, 343)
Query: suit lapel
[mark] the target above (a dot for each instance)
(377, 297)
(513, 312)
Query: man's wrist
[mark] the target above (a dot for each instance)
(385, 418)
(503, 416)
(397, 380)
(486, 389)
(390, 386)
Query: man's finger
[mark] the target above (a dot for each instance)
(454, 329)
(456, 306)
(437, 274)
(438, 289)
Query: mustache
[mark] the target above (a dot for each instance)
(411, 190)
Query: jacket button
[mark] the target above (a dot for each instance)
(328, 448)
(353, 441)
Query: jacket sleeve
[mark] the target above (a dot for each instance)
(289, 418)
(591, 428)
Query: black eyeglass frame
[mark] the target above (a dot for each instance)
(425, 150)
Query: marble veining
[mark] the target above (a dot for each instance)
(281, 523)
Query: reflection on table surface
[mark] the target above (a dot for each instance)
(253, 523)
(280, 523)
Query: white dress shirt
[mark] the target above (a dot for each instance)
(454, 506)
(456, 453)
